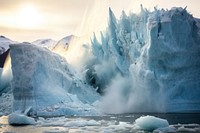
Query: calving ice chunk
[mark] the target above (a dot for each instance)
(44, 82)
(158, 52)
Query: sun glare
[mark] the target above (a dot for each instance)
(28, 17)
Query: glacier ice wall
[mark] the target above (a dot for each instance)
(157, 59)
(45, 84)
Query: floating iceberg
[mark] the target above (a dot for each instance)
(45, 82)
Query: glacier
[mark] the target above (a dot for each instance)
(147, 62)
(44, 84)
(156, 57)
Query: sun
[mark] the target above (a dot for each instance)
(28, 17)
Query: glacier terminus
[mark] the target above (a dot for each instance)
(146, 62)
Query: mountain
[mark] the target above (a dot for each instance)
(4, 44)
(49, 43)
(55, 45)
(64, 42)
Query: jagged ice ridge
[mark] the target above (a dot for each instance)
(156, 54)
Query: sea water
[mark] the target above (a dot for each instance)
(180, 122)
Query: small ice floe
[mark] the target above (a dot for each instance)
(165, 130)
(151, 123)
(189, 128)
(20, 119)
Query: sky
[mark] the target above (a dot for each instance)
(29, 20)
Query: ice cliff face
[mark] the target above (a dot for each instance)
(157, 55)
(45, 84)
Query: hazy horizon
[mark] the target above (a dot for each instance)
(23, 20)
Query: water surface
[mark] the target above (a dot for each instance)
(109, 123)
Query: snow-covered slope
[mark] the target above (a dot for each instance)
(64, 42)
(4, 44)
(48, 43)
(54, 45)
(44, 83)
(157, 55)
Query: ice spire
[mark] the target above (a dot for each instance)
(112, 26)
(96, 48)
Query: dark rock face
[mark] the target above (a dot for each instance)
(3, 58)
